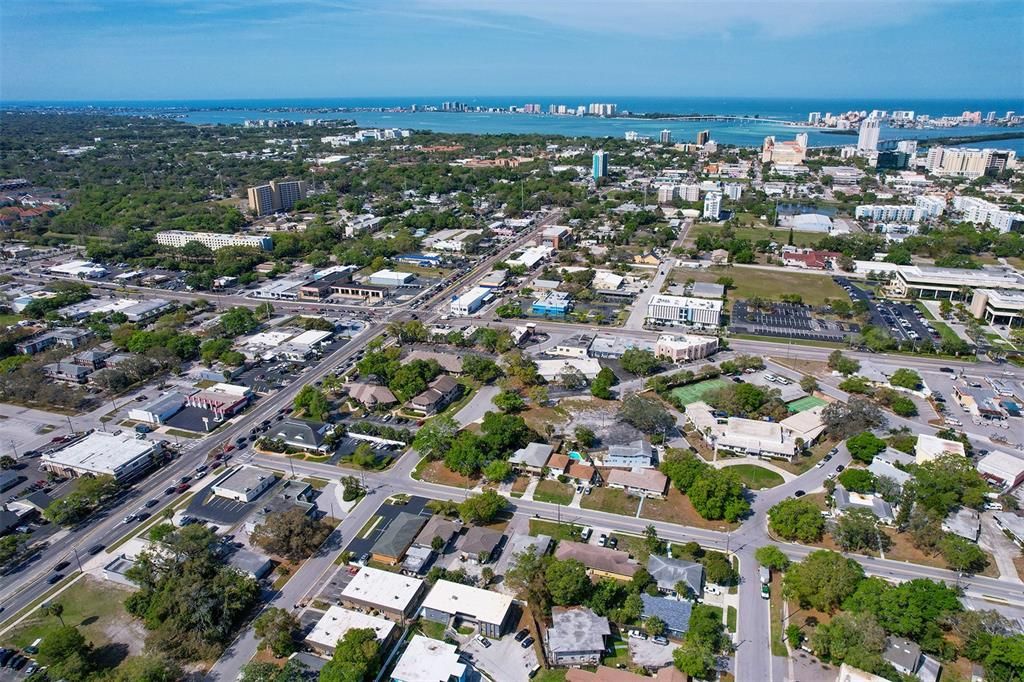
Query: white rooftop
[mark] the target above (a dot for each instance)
(333, 625)
(428, 660)
(101, 452)
(686, 302)
(383, 588)
(482, 605)
(929, 447)
(313, 336)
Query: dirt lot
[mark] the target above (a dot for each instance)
(437, 472)
(610, 500)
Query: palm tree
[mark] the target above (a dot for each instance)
(54, 609)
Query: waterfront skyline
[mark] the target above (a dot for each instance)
(183, 49)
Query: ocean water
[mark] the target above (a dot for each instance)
(742, 133)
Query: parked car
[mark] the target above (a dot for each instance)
(484, 642)
(521, 635)
(766, 592)
(613, 542)
(527, 643)
(799, 493)
(636, 634)
(659, 640)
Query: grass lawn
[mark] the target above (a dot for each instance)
(691, 393)
(96, 608)
(903, 550)
(779, 235)
(520, 484)
(634, 545)
(550, 675)
(317, 483)
(804, 463)
(432, 629)
(778, 646)
(755, 477)
(676, 508)
(7, 320)
(610, 500)
(553, 492)
(621, 648)
(369, 526)
(730, 619)
(183, 434)
(750, 282)
(556, 531)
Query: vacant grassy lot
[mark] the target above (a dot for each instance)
(676, 508)
(755, 477)
(779, 235)
(750, 282)
(96, 608)
(553, 492)
(610, 500)
(556, 531)
(691, 393)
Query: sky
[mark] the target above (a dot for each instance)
(261, 49)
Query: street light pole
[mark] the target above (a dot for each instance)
(79, 561)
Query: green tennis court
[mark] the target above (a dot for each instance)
(805, 403)
(691, 393)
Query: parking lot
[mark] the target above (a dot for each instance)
(904, 322)
(504, 659)
(650, 654)
(359, 546)
(787, 320)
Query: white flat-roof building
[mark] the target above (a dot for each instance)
(429, 660)
(80, 268)
(447, 600)
(998, 306)
(929, 282)
(391, 278)
(244, 484)
(122, 456)
(551, 369)
(395, 595)
(337, 621)
(743, 436)
(471, 301)
(531, 256)
(930, 447)
(213, 240)
(1002, 469)
(671, 311)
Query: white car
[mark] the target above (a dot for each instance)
(636, 634)
(819, 464)
(712, 589)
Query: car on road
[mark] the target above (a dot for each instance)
(96, 549)
(181, 488)
(128, 519)
(521, 635)
(826, 458)
(833, 451)
(799, 493)
(947, 370)
(819, 464)
(61, 565)
(55, 578)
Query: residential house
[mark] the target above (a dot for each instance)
(906, 657)
(480, 543)
(576, 637)
(642, 482)
(600, 562)
(674, 613)
(532, 458)
(67, 372)
(965, 522)
(450, 362)
(638, 454)
(448, 601)
(442, 392)
(392, 544)
(436, 527)
(393, 595)
(846, 500)
(429, 660)
(669, 573)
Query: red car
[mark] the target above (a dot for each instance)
(229, 448)
(181, 488)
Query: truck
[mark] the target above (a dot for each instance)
(766, 575)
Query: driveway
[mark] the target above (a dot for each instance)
(478, 406)
(993, 540)
(504, 660)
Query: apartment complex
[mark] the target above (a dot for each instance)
(213, 240)
(968, 163)
(276, 196)
(983, 212)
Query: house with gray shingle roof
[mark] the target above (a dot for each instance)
(670, 572)
(576, 637)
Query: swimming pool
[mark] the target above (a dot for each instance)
(575, 455)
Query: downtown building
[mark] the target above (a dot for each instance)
(276, 196)
(968, 163)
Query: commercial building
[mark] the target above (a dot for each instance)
(491, 611)
(276, 196)
(552, 370)
(103, 454)
(555, 236)
(964, 522)
(429, 660)
(600, 164)
(742, 436)
(867, 136)
(672, 311)
(81, 269)
(930, 447)
(471, 301)
(302, 434)
(391, 278)
(213, 240)
(553, 303)
(950, 283)
(394, 595)
(371, 396)
(158, 410)
(1012, 524)
(531, 257)
(685, 347)
(998, 306)
(600, 562)
(1001, 469)
(442, 392)
(613, 347)
(223, 400)
(244, 484)
(575, 346)
(337, 621)
(576, 636)
(143, 311)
